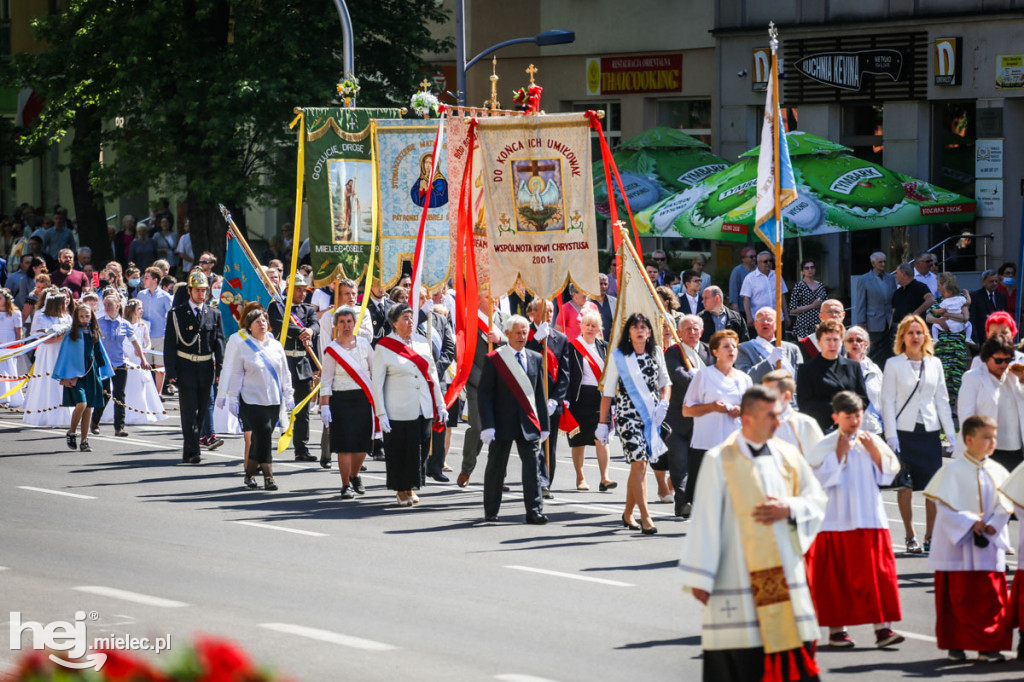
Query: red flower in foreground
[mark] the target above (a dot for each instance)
(222, 661)
(122, 667)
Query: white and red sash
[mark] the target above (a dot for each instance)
(348, 363)
(423, 365)
(517, 380)
(552, 360)
(596, 363)
(482, 323)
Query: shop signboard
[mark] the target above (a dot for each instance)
(1009, 71)
(989, 194)
(623, 75)
(846, 70)
(948, 59)
(988, 159)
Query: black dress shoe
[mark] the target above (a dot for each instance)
(653, 530)
(357, 485)
(305, 457)
(440, 478)
(491, 517)
(606, 487)
(195, 459)
(325, 462)
(629, 524)
(536, 519)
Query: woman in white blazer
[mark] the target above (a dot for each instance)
(992, 390)
(915, 407)
(405, 401)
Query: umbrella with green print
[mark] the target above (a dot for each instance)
(837, 192)
(655, 164)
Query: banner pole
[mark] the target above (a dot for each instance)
(776, 172)
(300, 172)
(654, 294)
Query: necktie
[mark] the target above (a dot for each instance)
(992, 299)
(521, 360)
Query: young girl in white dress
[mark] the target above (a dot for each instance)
(44, 396)
(10, 330)
(142, 399)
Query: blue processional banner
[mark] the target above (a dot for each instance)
(241, 284)
(402, 155)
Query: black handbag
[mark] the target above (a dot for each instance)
(903, 478)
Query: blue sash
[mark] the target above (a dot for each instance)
(655, 447)
(259, 353)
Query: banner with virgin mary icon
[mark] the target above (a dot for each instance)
(402, 163)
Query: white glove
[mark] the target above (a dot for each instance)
(776, 356)
(544, 435)
(660, 411)
(601, 433)
(552, 406)
(221, 403)
(289, 404)
(234, 407)
(427, 307)
(893, 443)
(325, 414)
(543, 329)
(385, 425)
(487, 436)
(442, 415)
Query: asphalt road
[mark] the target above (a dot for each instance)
(322, 589)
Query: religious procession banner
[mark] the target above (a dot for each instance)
(457, 141)
(401, 157)
(242, 283)
(539, 202)
(339, 179)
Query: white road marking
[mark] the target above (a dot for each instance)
(572, 576)
(4, 568)
(135, 597)
(914, 635)
(516, 677)
(257, 524)
(328, 636)
(56, 492)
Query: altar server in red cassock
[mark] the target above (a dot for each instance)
(852, 566)
(969, 546)
(1013, 489)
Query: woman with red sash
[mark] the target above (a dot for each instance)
(408, 400)
(586, 362)
(346, 400)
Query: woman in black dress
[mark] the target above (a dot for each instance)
(805, 301)
(821, 378)
(587, 353)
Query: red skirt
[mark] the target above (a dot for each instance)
(852, 575)
(1015, 609)
(970, 609)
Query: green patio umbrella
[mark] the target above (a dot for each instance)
(655, 164)
(837, 192)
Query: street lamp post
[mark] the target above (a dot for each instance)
(553, 37)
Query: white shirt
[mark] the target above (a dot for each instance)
(953, 305)
(250, 378)
(1001, 399)
(321, 301)
(760, 288)
(710, 385)
(184, 249)
(336, 378)
(854, 500)
(953, 547)
(588, 378)
(931, 280)
(692, 300)
(400, 392)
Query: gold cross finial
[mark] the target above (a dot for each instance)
(425, 85)
(493, 102)
(619, 224)
(531, 70)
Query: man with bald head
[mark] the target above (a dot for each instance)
(872, 306)
(760, 355)
(831, 309)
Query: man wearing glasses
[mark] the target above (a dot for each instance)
(872, 307)
(665, 276)
(739, 273)
(923, 266)
(758, 289)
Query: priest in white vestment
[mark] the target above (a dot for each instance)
(969, 546)
(756, 512)
(1013, 489)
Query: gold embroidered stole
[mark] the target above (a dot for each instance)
(775, 616)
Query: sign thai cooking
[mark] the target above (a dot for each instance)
(635, 74)
(846, 70)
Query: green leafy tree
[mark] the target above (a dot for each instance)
(194, 97)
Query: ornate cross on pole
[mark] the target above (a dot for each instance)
(424, 85)
(493, 103)
(531, 69)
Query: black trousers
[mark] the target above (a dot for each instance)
(435, 462)
(494, 474)
(471, 444)
(1008, 458)
(407, 446)
(678, 467)
(881, 346)
(193, 402)
(300, 431)
(114, 387)
(260, 421)
(546, 476)
(694, 457)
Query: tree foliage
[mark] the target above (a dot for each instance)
(193, 97)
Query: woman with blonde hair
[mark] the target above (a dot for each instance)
(915, 407)
(587, 354)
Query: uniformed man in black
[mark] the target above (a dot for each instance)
(193, 356)
(378, 308)
(299, 362)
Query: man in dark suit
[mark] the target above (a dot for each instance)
(541, 313)
(299, 364)
(435, 328)
(717, 317)
(193, 356)
(512, 378)
(378, 308)
(690, 300)
(471, 444)
(985, 301)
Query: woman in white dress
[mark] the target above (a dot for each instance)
(10, 330)
(144, 405)
(44, 396)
